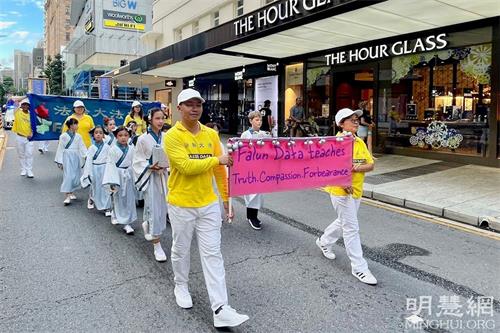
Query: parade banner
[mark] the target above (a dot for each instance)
(48, 113)
(284, 164)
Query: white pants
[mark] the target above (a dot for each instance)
(25, 152)
(206, 223)
(346, 225)
(43, 145)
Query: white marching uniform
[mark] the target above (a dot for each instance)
(109, 139)
(93, 174)
(152, 183)
(119, 174)
(71, 152)
(254, 201)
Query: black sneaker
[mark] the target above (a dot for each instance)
(254, 223)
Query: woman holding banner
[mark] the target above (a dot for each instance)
(346, 201)
(85, 122)
(136, 114)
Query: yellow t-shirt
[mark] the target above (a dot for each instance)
(141, 124)
(360, 155)
(22, 124)
(85, 124)
(193, 164)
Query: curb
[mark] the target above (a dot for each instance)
(3, 145)
(476, 221)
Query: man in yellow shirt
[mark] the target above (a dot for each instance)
(195, 157)
(346, 201)
(22, 128)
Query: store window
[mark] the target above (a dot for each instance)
(438, 101)
(317, 100)
(294, 85)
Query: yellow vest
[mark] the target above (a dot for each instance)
(360, 155)
(85, 124)
(22, 124)
(193, 165)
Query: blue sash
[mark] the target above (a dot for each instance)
(124, 151)
(99, 149)
(72, 137)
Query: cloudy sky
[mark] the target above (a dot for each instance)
(21, 27)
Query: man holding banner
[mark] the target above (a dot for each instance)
(346, 201)
(196, 157)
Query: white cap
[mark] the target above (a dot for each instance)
(26, 100)
(188, 94)
(136, 103)
(78, 103)
(346, 113)
(163, 106)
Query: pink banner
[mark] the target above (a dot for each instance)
(282, 164)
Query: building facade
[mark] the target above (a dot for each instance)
(38, 62)
(22, 69)
(58, 29)
(429, 81)
(106, 35)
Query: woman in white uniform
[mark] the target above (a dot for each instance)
(93, 172)
(119, 178)
(254, 202)
(71, 152)
(150, 169)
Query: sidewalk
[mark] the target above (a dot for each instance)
(464, 193)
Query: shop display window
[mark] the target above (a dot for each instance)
(317, 99)
(439, 101)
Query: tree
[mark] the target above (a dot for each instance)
(6, 87)
(54, 73)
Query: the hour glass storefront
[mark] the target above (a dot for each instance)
(432, 94)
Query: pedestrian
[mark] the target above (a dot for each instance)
(366, 125)
(346, 201)
(119, 178)
(267, 117)
(22, 128)
(85, 122)
(297, 116)
(254, 202)
(150, 168)
(93, 172)
(70, 154)
(136, 114)
(110, 126)
(168, 116)
(43, 146)
(394, 119)
(195, 158)
(132, 127)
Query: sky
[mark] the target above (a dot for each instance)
(21, 27)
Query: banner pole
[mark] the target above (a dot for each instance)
(230, 199)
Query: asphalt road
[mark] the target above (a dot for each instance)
(68, 269)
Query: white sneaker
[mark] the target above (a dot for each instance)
(107, 213)
(30, 174)
(160, 255)
(71, 196)
(90, 204)
(23, 173)
(327, 251)
(228, 317)
(145, 228)
(67, 201)
(114, 221)
(128, 229)
(365, 277)
(183, 297)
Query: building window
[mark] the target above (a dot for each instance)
(216, 19)
(178, 35)
(196, 27)
(239, 8)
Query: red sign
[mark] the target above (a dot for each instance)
(283, 164)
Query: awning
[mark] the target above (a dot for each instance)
(342, 23)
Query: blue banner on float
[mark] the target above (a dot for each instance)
(48, 113)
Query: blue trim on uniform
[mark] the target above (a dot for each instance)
(72, 137)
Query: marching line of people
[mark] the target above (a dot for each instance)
(181, 174)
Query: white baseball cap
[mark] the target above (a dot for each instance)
(163, 106)
(78, 103)
(188, 94)
(136, 103)
(26, 100)
(346, 113)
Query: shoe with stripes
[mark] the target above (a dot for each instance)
(365, 277)
(327, 251)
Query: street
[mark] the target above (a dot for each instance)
(68, 269)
